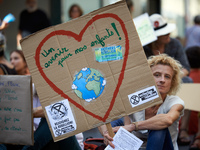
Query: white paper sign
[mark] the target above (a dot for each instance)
(143, 96)
(124, 140)
(61, 117)
(144, 29)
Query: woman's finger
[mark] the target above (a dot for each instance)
(115, 129)
(108, 137)
(111, 144)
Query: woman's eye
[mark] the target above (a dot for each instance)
(156, 75)
(168, 77)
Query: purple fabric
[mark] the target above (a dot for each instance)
(193, 36)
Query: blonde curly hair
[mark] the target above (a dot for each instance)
(164, 59)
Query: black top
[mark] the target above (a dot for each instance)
(32, 22)
(173, 49)
(8, 71)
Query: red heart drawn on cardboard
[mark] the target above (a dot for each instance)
(78, 37)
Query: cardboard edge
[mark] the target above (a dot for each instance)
(31, 88)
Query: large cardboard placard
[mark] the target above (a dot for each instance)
(86, 69)
(16, 120)
(190, 94)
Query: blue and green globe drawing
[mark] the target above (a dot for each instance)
(88, 84)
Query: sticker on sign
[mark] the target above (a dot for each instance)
(61, 118)
(143, 96)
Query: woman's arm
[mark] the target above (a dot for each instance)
(3, 25)
(38, 112)
(157, 122)
(127, 120)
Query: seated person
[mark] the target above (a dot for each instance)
(161, 120)
(193, 54)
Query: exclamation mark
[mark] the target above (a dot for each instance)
(114, 27)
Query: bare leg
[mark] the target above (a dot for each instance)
(183, 134)
(196, 143)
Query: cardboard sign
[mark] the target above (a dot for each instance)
(145, 29)
(93, 63)
(16, 120)
(190, 94)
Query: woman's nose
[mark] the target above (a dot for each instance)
(162, 79)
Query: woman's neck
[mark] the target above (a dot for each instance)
(163, 96)
(158, 48)
(23, 72)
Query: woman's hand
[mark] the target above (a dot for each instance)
(108, 140)
(4, 25)
(38, 112)
(129, 127)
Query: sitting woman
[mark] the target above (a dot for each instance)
(161, 121)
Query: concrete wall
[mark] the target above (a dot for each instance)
(15, 7)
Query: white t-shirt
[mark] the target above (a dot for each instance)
(36, 103)
(163, 109)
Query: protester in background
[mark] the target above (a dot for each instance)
(31, 20)
(42, 135)
(165, 44)
(161, 120)
(193, 33)
(193, 54)
(173, 48)
(5, 67)
(130, 6)
(75, 11)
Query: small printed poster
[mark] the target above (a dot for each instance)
(108, 53)
(143, 96)
(61, 118)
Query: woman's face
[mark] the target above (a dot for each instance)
(164, 39)
(75, 13)
(17, 61)
(163, 75)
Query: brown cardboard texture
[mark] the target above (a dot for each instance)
(16, 117)
(190, 94)
(94, 65)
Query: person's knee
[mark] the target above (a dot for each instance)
(158, 133)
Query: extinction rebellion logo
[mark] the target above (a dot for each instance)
(58, 111)
(145, 95)
(61, 117)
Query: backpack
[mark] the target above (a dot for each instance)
(94, 144)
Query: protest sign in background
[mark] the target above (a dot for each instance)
(86, 69)
(16, 120)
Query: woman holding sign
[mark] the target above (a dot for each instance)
(161, 121)
(42, 135)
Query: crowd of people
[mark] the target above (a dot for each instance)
(171, 64)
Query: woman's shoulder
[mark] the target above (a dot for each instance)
(7, 70)
(173, 99)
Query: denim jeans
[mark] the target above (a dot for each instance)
(42, 137)
(159, 140)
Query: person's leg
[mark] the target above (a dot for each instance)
(159, 140)
(184, 138)
(69, 143)
(42, 136)
(196, 142)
